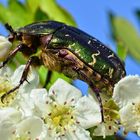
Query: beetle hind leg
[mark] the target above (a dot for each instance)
(94, 89)
(97, 93)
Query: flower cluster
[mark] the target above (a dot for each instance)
(63, 112)
(34, 113)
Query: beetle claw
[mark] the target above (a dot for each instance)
(9, 92)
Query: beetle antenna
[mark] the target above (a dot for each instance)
(13, 33)
(9, 28)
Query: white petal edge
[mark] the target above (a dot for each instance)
(127, 90)
(5, 72)
(62, 92)
(78, 134)
(10, 114)
(40, 98)
(5, 46)
(6, 130)
(106, 129)
(88, 110)
(32, 124)
(129, 119)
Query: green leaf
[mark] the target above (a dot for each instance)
(16, 14)
(124, 32)
(7, 16)
(20, 13)
(42, 74)
(121, 50)
(40, 15)
(55, 12)
(32, 5)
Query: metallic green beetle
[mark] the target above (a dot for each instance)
(70, 51)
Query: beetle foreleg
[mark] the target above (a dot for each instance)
(31, 60)
(12, 54)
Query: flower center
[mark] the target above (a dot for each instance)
(136, 109)
(5, 86)
(110, 110)
(60, 117)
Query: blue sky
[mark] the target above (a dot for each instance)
(92, 17)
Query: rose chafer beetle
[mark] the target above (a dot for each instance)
(68, 50)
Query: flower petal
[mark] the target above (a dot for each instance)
(10, 114)
(31, 126)
(89, 113)
(40, 99)
(77, 134)
(33, 103)
(8, 118)
(106, 129)
(6, 130)
(5, 72)
(129, 119)
(127, 90)
(62, 92)
(24, 103)
(5, 46)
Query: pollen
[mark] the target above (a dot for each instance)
(5, 86)
(136, 109)
(60, 117)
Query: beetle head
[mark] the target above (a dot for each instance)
(14, 35)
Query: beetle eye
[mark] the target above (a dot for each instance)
(19, 36)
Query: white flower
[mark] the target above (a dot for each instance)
(5, 46)
(66, 113)
(28, 128)
(14, 126)
(127, 96)
(8, 118)
(9, 80)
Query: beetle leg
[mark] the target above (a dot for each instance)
(97, 93)
(95, 90)
(12, 54)
(48, 77)
(30, 61)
